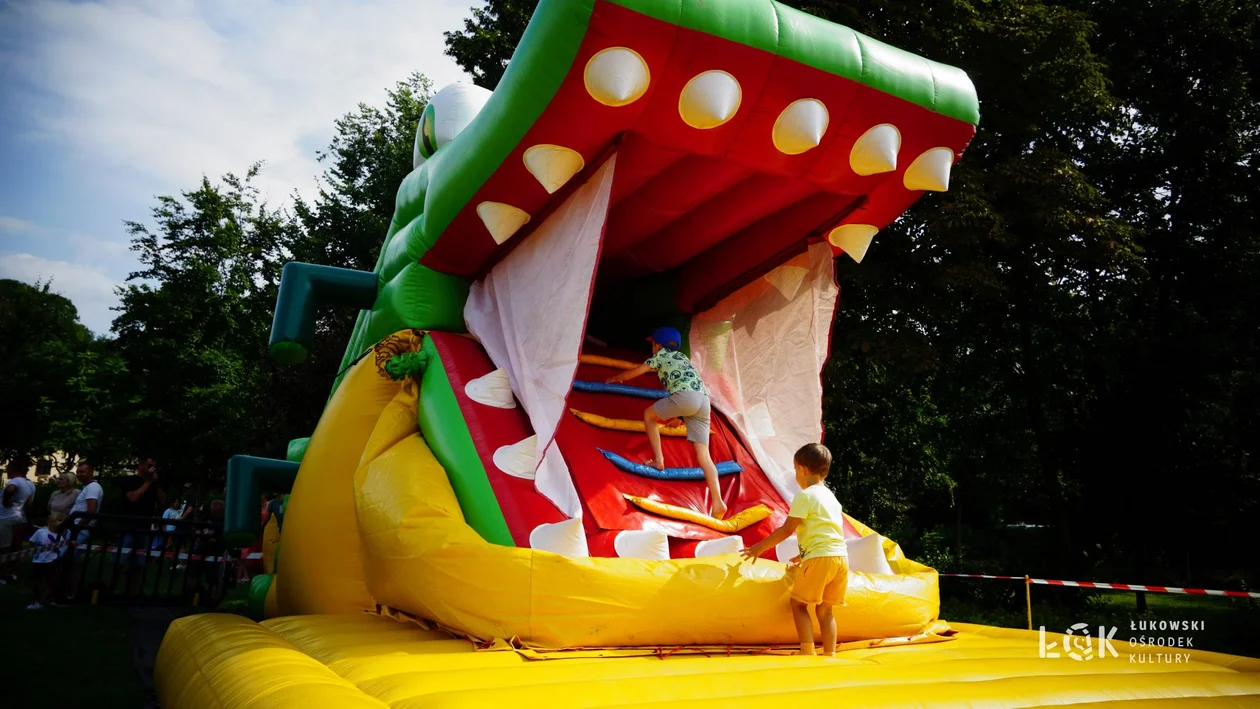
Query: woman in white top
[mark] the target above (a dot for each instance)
(64, 496)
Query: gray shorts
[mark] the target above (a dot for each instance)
(690, 406)
(8, 530)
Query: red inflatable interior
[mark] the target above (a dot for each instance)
(718, 207)
(600, 485)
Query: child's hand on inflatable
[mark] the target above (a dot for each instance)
(671, 423)
(796, 560)
(751, 553)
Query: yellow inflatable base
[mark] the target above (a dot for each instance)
(229, 662)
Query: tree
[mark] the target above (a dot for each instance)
(1184, 167)
(194, 322)
(42, 336)
(489, 38)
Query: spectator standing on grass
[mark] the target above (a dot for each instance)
(141, 497)
(89, 498)
(14, 503)
(64, 496)
(88, 502)
(141, 494)
(45, 565)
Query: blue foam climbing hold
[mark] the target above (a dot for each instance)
(623, 389)
(728, 467)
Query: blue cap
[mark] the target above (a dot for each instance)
(667, 337)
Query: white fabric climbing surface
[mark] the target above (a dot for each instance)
(529, 313)
(761, 352)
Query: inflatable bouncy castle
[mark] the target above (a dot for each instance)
(471, 522)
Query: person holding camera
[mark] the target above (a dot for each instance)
(141, 498)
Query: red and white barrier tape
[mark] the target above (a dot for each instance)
(1115, 586)
(11, 556)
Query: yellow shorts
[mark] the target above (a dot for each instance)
(822, 579)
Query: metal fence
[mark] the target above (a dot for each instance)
(120, 560)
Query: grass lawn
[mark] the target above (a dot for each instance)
(68, 656)
(84, 656)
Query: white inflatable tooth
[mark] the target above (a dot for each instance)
(553, 165)
(800, 127)
(501, 220)
(787, 280)
(642, 544)
(876, 151)
(493, 389)
(566, 538)
(930, 171)
(853, 239)
(718, 547)
(518, 459)
(617, 76)
(710, 99)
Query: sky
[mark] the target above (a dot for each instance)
(105, 104)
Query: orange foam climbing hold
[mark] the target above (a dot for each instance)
(598, 361)
(734, 523)
(626, 424)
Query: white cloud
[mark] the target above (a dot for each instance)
(91, 291)
(172, 89)
(13, 225)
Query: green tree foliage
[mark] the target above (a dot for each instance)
(1183, 166)
(194, 322)
(61, 385)
(485, 45)
(42, 335)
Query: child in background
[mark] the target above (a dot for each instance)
(817, 520)
(688, 400)
(46, 565)
(173, 511)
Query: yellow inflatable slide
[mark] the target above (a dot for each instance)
(354, 603)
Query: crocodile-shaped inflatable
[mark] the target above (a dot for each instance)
(698, 163)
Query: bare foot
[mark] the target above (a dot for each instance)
(719, 509)
(658, 463)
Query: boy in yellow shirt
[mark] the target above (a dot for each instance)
(817, 520)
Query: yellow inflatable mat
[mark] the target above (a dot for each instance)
(228, 661)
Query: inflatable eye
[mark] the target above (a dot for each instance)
(449, 112)
(426, 133)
